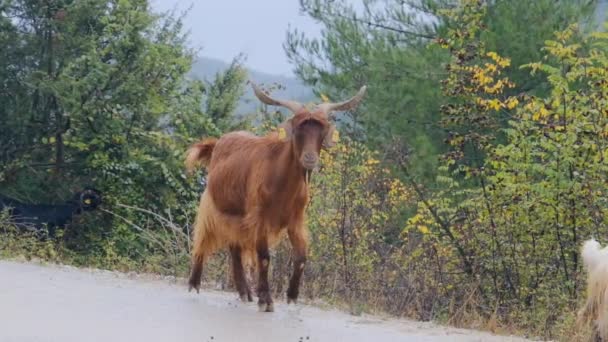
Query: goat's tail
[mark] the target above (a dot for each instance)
(199, 154)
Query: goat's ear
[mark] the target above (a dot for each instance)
(285, 130)
(331, 137)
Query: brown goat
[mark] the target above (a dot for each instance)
(257, 189)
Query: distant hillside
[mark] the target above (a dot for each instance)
(206, 68)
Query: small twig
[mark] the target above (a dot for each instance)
(157, 216)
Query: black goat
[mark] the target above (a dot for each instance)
(51, 216)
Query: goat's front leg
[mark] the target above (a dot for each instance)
(298, 236)
(264, 298)
(240, 282)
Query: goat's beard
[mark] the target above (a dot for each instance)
(307, 175)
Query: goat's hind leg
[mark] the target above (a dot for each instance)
(196, 272)
(240, 281)
(203, 247)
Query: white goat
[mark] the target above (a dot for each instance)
(595, 261)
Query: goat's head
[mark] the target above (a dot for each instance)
(309, 130)
(88, 199)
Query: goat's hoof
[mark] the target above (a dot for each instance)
(292, 295)
(266, 307)
(197, 287)
(249, 298)
(243, 298)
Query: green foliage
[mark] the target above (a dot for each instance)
(509, 33)
(474, 86)
(223, 95)
(514, 226)
(550, 178)
(388, 45)
(102, 99)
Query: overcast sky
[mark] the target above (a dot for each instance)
(225, 28)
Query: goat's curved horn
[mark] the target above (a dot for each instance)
(351, 103)
(294, 106)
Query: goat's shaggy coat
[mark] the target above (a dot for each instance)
(595, 260)
(256, 191)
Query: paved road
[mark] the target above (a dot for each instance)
(63, 304)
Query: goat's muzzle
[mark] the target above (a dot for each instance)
(309, 160)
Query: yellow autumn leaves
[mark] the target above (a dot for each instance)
(501, 61)
(537, 110)
(383, 196)
(604, 133)
(485, 85)
(420, 222)
(324, 98)
(496, 104)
